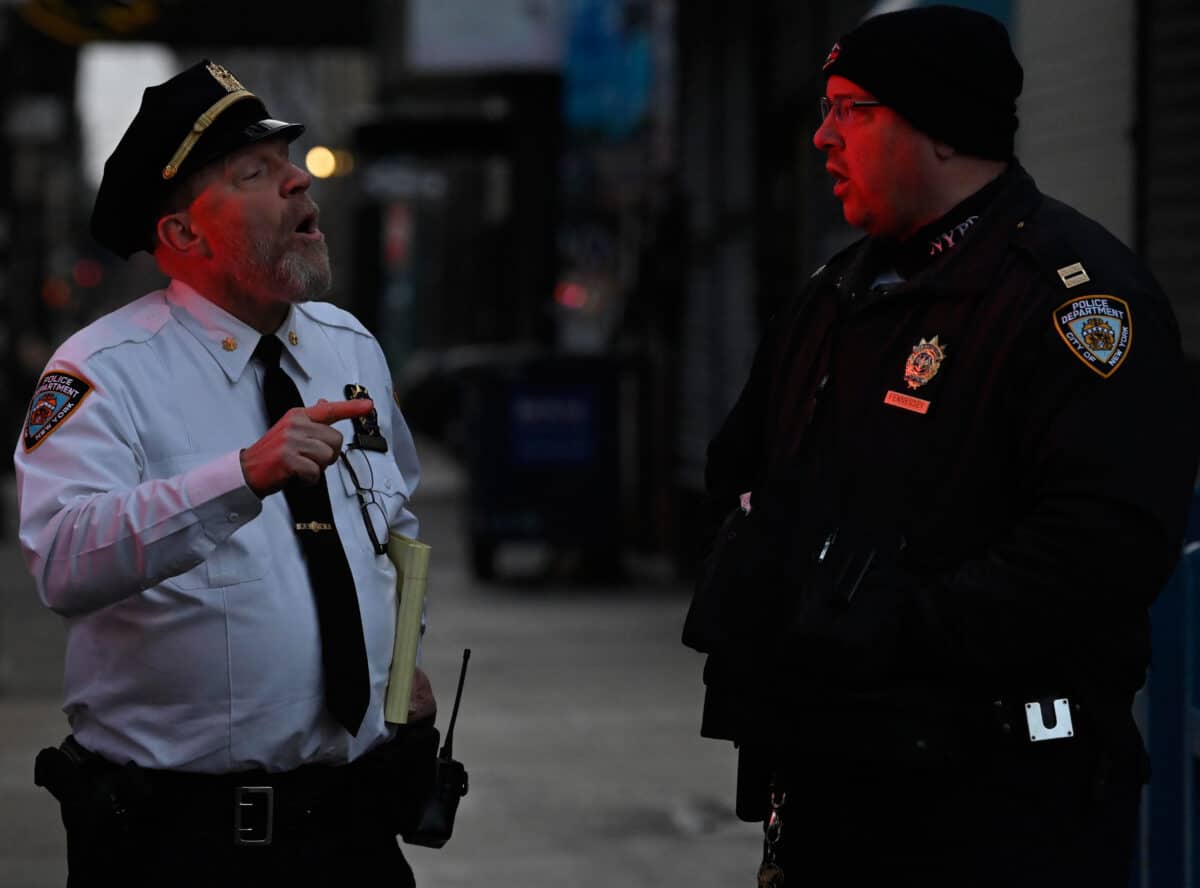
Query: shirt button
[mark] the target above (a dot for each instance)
(233, 517)
(387, 482)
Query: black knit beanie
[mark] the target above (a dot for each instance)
(949, 71)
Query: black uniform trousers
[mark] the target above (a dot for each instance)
(181, 858)
(327, 825)
(847, 825)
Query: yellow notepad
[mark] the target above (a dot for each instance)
(411, 559)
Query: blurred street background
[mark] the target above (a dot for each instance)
(567, 222)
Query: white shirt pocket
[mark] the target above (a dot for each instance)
(374, 482)
(241, 557)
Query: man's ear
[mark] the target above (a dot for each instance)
(176, 234)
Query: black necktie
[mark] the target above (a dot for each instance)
(343, 652)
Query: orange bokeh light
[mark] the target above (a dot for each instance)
(56, 292)
(87, 273)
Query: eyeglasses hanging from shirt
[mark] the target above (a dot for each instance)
(366, 437)
(373, 513)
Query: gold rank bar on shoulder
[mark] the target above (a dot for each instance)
(1073, 275)
(314, 526)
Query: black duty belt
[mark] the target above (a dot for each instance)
(258, 804)
(924, 732)
(254, 807)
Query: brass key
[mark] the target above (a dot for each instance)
(770, 876)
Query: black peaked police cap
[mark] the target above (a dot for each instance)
(197, 116)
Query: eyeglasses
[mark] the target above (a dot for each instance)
(843, 107)
(373, 514)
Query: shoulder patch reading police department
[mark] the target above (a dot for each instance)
(55, 399)
(1098, 330)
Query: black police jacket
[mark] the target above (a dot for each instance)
(967, 486)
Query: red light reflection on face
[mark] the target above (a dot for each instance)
(878, 162)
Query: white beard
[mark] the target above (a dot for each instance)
(294, 276)
(306, 277)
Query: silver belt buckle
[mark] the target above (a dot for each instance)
(1035, 718)
(256, 804)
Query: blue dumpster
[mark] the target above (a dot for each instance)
(541, 453)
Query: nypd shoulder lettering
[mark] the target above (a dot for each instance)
(55, 400)
(1098, 330)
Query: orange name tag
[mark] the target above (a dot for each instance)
(906, 402)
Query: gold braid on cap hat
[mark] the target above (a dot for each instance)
(234, 92)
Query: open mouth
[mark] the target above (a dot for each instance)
(308, 227)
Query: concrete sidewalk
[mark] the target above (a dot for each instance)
(579, 728)
(32, 848)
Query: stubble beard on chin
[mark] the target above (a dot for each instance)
(305, 277)
(296, 275)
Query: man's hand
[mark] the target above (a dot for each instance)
(421, 704)
(300, 445)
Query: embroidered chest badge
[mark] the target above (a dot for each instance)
(1097, 329)
(922, 365)
(54, 401)
(924, 362)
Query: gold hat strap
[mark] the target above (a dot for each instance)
(203, 122)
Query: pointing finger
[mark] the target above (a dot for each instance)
(329, 412)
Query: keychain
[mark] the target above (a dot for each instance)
(770, 874)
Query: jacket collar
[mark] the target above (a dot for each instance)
(966, 271)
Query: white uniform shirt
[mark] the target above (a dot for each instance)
(192, 637)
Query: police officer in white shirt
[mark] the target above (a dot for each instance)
(213, 530)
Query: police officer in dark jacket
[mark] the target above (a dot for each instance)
(956, 479)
